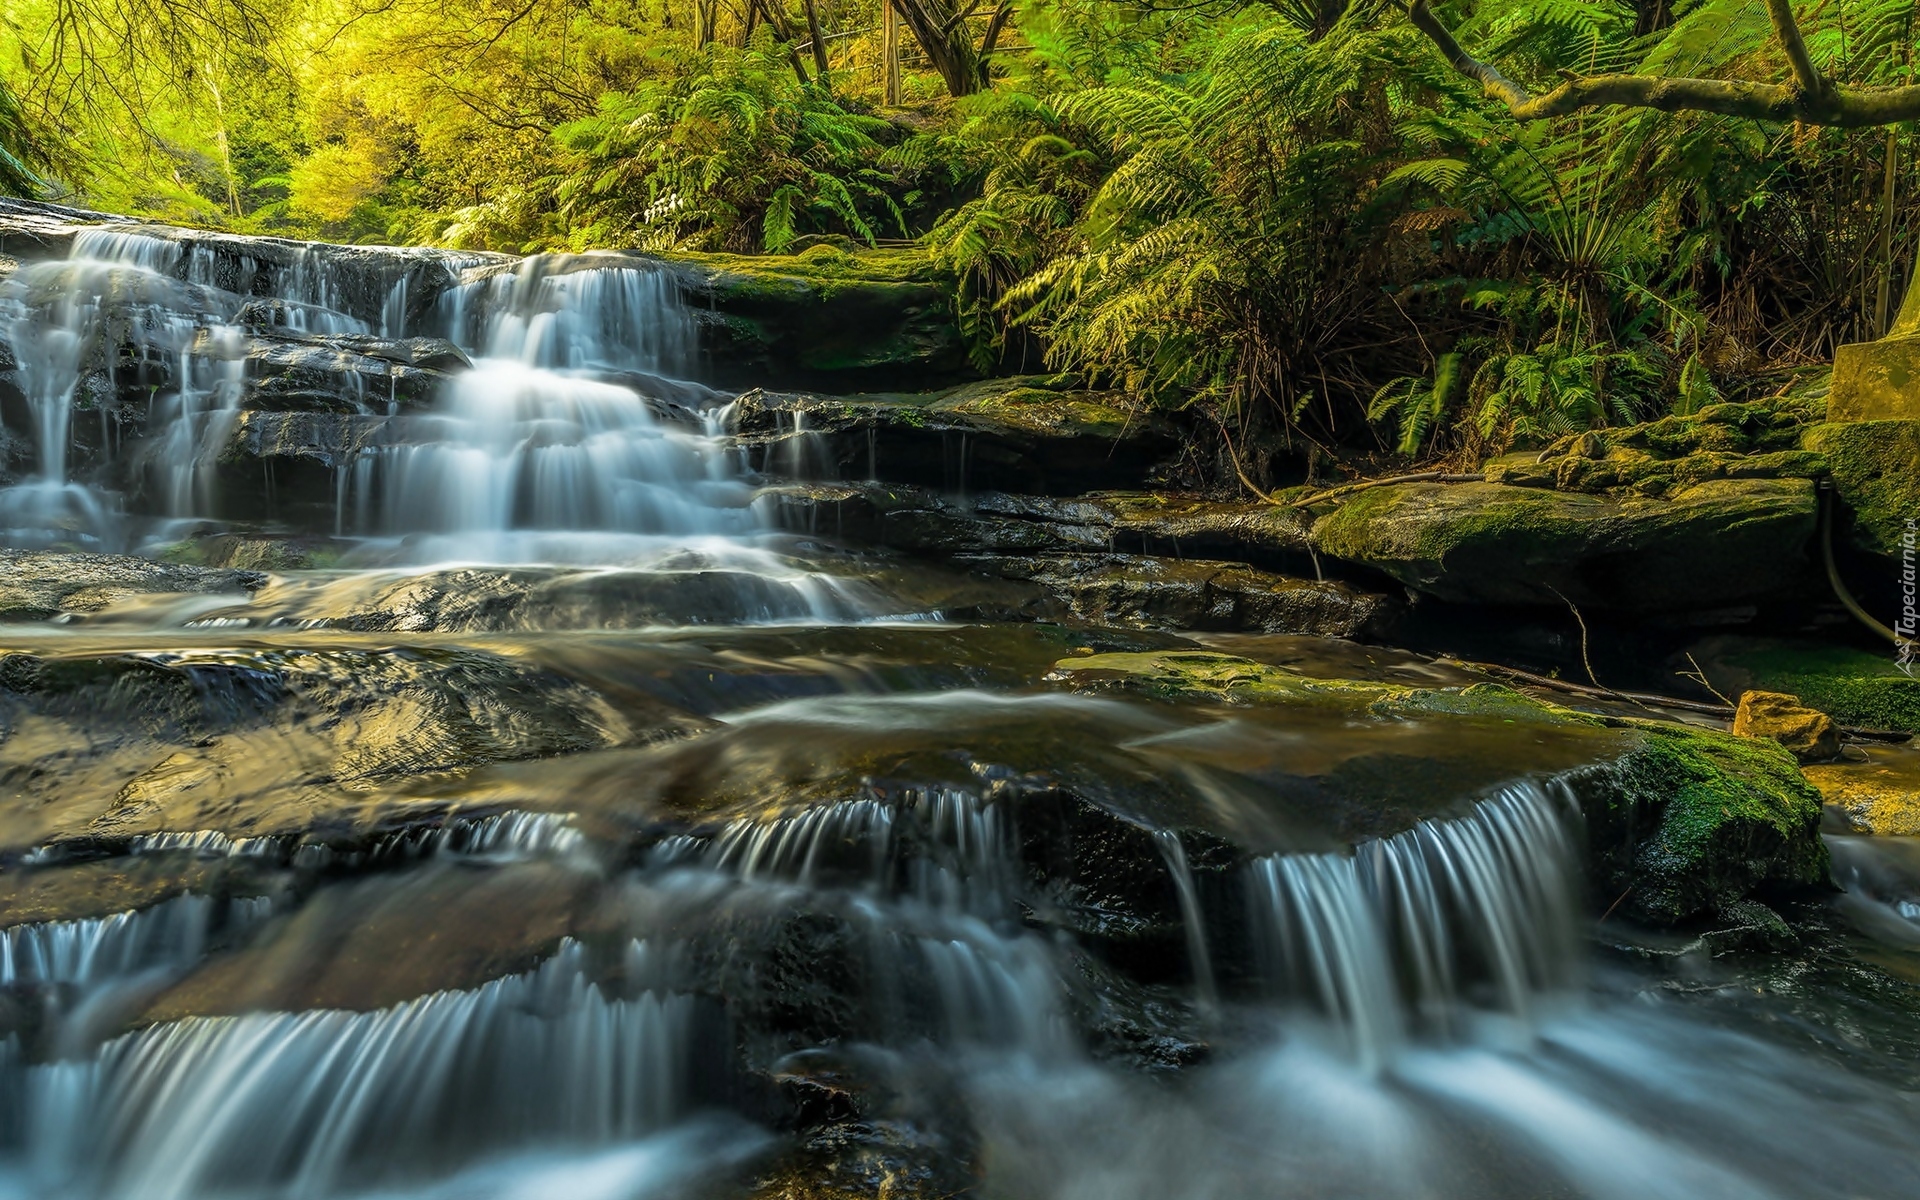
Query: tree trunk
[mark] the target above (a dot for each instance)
(820, 67)
(890, 54)
(941, 29)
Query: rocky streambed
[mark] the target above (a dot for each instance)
(621, 727)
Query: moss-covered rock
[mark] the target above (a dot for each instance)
(1681, 821)
(1727, 541)
(1203, 675)
(823, 316)
(1875, 467)
(1694, 819)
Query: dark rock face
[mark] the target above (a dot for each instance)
(1162, 593)
(36, 585)
(823, 318)
(920, 520)
(1016, 435)
(346, 373)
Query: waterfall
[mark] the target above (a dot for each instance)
(87, 953)
(310, 1103)
(1411, 931)
(1199, 960)
(71, 325)
(570, 439)
(941, 847)
(87, 975)
(507, 836)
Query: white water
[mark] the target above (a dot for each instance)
(319, 1102)
(69, 324)
(1420, 929)
(575, 438)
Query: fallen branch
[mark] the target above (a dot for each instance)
(1417, 477)
(1724, 711)
(1516, 675)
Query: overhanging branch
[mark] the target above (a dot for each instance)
(1825, 103)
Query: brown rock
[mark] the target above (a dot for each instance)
(1808, 732)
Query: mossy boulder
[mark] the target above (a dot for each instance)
(1875, 466)
(822, 317)
(1723, 542)
(1695, 819)
(1682, 822)
(1758, 440)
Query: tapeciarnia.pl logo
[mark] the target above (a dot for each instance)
(1904, 626)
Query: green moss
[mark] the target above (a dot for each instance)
(1695, 819)
(1723, 541)
(1875, 467)
(1019, 404)
(1200, 675)
(1851, 686)
(1479, 700)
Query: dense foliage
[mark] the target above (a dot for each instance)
(1294, 218)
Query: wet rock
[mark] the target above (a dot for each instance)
(33, 230)
(921, 520)
(1874, 790)
(1722, 542)
(482, 599)
(101, 887)
(1680, 821)
(324, 742)
(1029, 435)
(38, 584)
(1163, 593)
(376, 942)
(1808, 733)
(329, 438)
(302, 373)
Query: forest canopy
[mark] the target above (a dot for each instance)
(1300, 216)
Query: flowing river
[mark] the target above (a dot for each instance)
(577, 830)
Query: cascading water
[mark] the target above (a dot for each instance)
(311, 1103)
(1411, 930)
(69, 324)
(569, 875)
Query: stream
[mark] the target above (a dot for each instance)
(580, 830)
